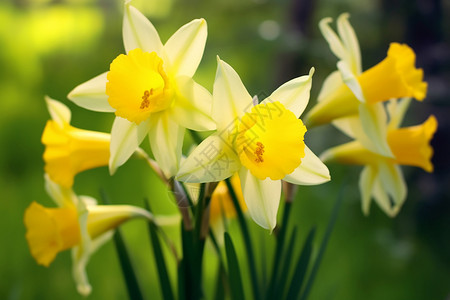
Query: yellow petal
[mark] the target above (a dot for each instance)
(70, 150)
(50, 230)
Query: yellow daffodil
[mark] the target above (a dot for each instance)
(351, 92)
(263, 143)
(76, 223)
(70, 150)
(151, 91)
(381, 177)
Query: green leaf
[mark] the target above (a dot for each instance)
(127, 268)
(301, 267)
(234, 273)
(159, 260)
(324, 244)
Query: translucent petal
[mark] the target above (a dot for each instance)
(311, 171)
(125, 139)
(294, 94)
(59, 112)
(230, 98)
(350, 41)
(193, 105)
(166, 141)
(213, 160)
(331, 84)
(397, 110)
(139, 32)
(392, 181)
(366, 185)
(350, 80)
(262, 198)
(91, 94)
(185, 47)
(332, 38)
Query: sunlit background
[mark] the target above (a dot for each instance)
(48, 47)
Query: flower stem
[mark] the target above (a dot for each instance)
(246, 238)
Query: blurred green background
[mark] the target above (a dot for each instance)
(48, 47)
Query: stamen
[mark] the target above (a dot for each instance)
(259, 152)
(145, 102)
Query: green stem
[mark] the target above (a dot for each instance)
(246, 238)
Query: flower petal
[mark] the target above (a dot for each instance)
(193, 105)
(294, 94)
(185, 47)
(332, 38)
(348, 37)
(166, 141)
(262, 198)
(331, 84)
(213, 160)
(392, 181)
(59, 112)
(62, 196)
(350, 80)
(366, 186)
(139, 32)
(125, 139)
(348, 125)
(230, 98)
(311, 171)
(397, 110)
(374, 128)
(92, 94)
(382, 198)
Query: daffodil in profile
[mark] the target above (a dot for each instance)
(263, 143)
(350, 92)
(382, 178)
(77, 223)
(151, 91)
(70, 150)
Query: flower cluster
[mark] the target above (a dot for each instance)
(257, 142)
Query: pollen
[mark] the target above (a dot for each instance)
(259, 152)
(145, 101)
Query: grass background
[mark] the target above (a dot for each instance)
(49, 47)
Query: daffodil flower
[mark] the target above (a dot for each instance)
(70, 150)
(263, 143)
(151, 91)
(77, 223)
(381, 177)
(351, 92)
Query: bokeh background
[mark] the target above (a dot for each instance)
(48, 47)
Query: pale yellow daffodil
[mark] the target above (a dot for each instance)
(151, 91)
(382, 177)
(263, 143)
(70, 150)
(77, 223)
(349, 92)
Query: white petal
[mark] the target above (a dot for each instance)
(382, 198)
(59, 112)
(397, 110)
(311, 171)
(348, 37)
(139, 32)
(366, 186)
(392, 181)
(92, 94)
(185, 47)
(374, 125)
(350, 80)
(348, 125)
(262, 198)
(126, 137)
(332, 38)
(294, 94)
(193, 105)
(230, 98)
(62, 196)
(213, 160)
(330, 85)
(166, 141)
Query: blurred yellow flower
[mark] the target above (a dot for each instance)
(349, 92)
(78, 223)
(70, 150)
(381, 177)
